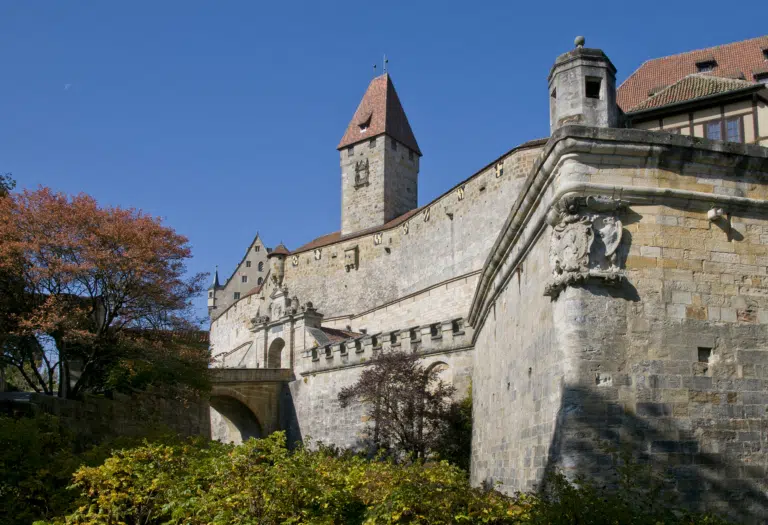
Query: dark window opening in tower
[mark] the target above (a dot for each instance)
(593, 87)
(372, 143)
(410, 154)
(350, 151)
(210, 295)
(394, 144)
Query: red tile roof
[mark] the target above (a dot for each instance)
(380, 112)
(279, 250)
(694, 87)
(732, 60)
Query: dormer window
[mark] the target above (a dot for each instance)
(765, 53)
(706, 65)
(365, 123)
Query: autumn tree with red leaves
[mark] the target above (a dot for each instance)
(97, 286)
(407, 403)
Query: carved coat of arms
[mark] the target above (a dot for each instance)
(585, 240)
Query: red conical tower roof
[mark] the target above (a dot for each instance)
(380, 112)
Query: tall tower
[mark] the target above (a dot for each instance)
(582, 89)
(379, 161)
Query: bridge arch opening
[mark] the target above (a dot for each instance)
(232, 421)
(275, 353)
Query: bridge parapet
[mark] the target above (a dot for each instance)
(251, 375)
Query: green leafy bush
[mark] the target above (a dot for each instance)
(197, 482)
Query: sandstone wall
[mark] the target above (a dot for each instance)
(672, 362)
(448, 238)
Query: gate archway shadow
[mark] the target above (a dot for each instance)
(232, 421)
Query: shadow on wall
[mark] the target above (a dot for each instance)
(232, 421)
(588, 423)
(289, 421)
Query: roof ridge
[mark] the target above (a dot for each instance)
(702, 49)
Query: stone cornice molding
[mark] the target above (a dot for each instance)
(576, 141)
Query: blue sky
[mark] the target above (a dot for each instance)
(223, 117)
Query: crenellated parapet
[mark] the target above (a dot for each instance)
(449, 335)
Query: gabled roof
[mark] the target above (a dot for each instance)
(731, 60)
(694, 87)
(380, 112)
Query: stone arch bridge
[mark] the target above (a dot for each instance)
(250, 402)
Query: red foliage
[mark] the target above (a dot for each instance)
(90, 272)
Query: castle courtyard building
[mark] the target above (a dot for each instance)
(605, 285)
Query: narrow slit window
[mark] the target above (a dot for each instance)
(434, 330)
(592, 89)
(393, 338)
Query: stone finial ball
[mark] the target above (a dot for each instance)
(579, 41)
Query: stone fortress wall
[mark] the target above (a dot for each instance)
(670, 361)
(448, 238)
(606, 287)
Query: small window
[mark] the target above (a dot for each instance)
(733, 130)
(314, 354)
(706, 65)
(328, 352)
(259, 281)
(256, 248)
(343, 349)
(210, 295)
(372, 143)
(393, 144)
(244, 279)
(456, 326)
(237, 296)
(350, 151)
(434, 330)
(261, 266)
(410, 154)
(393, 338)
(247, 264)
(375, 341)
(413, 335)
(704, 354)
(713, 130)
(593, 87)
(358, 346)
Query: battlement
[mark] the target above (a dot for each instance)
(445, 336)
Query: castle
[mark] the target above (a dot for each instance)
(606, 284)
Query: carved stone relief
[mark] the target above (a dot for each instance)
(377, 238)
(361, 172)
(586, 235)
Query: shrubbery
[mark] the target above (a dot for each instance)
(37, 460)
(261, 482)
